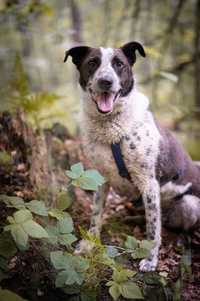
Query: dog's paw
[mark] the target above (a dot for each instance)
(148, 265)
(84, 247)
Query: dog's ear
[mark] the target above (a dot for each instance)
(77, 53)
(129, 50)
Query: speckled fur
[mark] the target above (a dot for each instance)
(152, 156)
(132, 124)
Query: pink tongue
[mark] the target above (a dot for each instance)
(105, 102)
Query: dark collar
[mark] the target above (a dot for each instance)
(122, 170)
(117, 154)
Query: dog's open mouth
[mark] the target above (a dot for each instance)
(105, 101)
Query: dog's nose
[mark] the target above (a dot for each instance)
(105, 83)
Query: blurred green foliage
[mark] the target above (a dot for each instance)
(37, 33)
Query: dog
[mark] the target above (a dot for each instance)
(123, 140)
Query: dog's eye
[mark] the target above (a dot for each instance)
(92, 63)
(118, 64)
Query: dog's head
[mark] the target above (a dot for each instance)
(105, 73)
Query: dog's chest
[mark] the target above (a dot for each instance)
(139, 141)
(139, 153)
(101, 157)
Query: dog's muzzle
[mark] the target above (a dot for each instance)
(105, 101)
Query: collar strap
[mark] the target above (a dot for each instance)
(122, 170)
(117, 154)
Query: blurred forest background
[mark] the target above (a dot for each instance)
(35, 34)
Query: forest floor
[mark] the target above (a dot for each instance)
(28, 273)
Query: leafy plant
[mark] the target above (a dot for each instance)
(121, 284)
(71, 268)
(35, 206)
(22, 226)
(54, 227)
(61, 233)
(34, 105)
(85, 179)
(104, 258)
(138, 249)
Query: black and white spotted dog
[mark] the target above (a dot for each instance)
(156, 167)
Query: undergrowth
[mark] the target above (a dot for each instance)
(78, 275)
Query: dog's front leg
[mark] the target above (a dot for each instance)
(151, 198)
(99, 199)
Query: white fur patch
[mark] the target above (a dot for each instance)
(106, 70)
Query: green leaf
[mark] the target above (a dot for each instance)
(69, 277)
(64, 200)
(140, 253)
(74, 266)
(122, 275)
(37, 207)
(91, 237)
(71, 174)
(65, 225)
(61, 278)
(58, 260)
(110, 283)
(130, 290)
(131, 242)
(58, 214)
(81, 264)
(22, 215)
(76, 171)
(53, 233)
(146, 244)
(95, 175)
(143, 250)
(34, 229)
(115, 291)
(6, 295)
(74, 277)
(19, 236)
(89, 180)
(13, 201)
(7, 246)
(85, 183)
(67, 239)
(11, 220)
(77, 168)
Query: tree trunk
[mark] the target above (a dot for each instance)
(76, 22)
